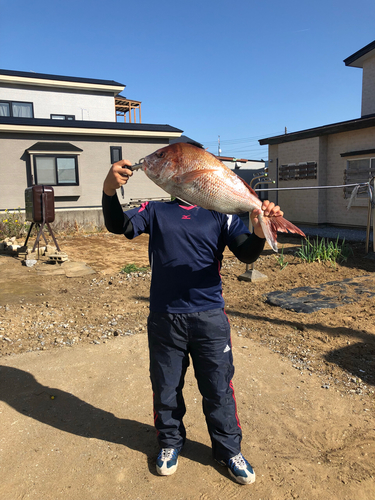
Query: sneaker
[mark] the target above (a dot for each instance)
(240, 469)
(167, 461)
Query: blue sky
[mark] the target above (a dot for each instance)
(240, 69)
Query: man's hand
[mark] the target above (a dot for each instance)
(117, 176)
(269, 210)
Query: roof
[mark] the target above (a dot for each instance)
(231, 158)
(186, 139)
(81, 127)
(45, 76)
(29, 79)
(85, 124)
(47, 147)
(358, 57)
(334, 128)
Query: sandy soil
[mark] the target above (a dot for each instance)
(76, 406)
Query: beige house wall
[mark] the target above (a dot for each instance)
(93, 165)
(368, 85)
(299, 206)
(323, 206)
(337, 212)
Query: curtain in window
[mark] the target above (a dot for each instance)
(22, 109)
(45, 170)
(4, 109)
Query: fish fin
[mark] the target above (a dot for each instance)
(273, 225)
(191, 176)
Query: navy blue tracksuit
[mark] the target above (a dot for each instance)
(206, 337)
(187, 318)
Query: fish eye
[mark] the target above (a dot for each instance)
(161, 155)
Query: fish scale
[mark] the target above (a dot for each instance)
(198, 177)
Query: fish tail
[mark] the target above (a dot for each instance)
(271, 226)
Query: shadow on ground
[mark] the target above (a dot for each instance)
(68, 413)
(357, 359)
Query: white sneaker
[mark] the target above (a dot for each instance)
(167, 461)
(240, 469)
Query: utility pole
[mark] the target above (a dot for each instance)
(218, 146)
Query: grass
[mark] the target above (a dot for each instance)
(324, 251)
(280, 258)
(133, 268)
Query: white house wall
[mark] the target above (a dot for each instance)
(84, 106)
(249, 164)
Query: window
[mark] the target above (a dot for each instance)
(358, 171)
(56, 170)
(116, 154)
(16, 109)
(297, 171)
(63, 117)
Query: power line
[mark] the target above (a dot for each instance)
(245, 146)
(239, 140)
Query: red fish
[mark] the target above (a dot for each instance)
(196, 176)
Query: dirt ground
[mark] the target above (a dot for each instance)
(76, 405)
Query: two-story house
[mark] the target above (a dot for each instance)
(66, 132)
(339, 154)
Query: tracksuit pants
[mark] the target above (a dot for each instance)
(205, 336)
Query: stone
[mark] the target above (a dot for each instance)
(76, 269)
(30, 262)
(57, 257)
(252, 275)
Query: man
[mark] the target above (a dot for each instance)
(187, 314)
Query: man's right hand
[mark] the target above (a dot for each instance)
(117, 176)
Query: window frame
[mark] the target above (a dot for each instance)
(18, 102)
(349, 178)
(65, 117)
(112, 150)
(56, 156)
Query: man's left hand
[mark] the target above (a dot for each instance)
(269, 209)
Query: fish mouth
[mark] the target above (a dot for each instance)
(144, 164)
(148, 170)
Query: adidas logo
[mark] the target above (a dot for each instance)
(227, 349)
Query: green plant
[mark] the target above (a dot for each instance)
(324, 251)
(280, 258)
(12, 224)
(133, 268)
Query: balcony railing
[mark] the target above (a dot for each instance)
(128, 110)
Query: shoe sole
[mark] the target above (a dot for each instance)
(239, 479)
(166, 471)
(243, 480)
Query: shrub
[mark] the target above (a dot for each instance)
(12, 224)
